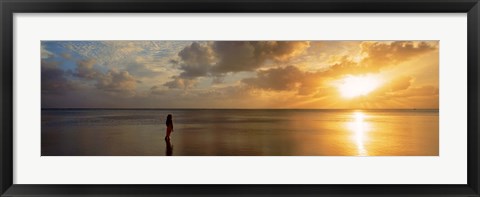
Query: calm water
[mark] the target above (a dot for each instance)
(241, 132)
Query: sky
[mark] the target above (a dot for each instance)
(240, 74)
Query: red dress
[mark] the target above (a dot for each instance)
(169, 124)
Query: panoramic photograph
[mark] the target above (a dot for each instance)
(240, 98)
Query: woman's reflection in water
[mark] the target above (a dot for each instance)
(169, 148)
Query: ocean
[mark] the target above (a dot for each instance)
(239, 132)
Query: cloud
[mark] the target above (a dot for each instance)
(114, 54)
(392, 87)
(400, 92)
(143, 68)
(45, 54)
(277, 79)
(400, 83)
(156, 90)
(380, 54)
(289, 78)
(215, 59)
(239, 73)
(228, 92)
(116, 81)
(67, 56)
(180, 83)
(111, 81)
(304, 83)
(236, 56)
(345, 66)
(92, 61)
(85, 69)
(196, 60)
(421, 91)
(54, 79)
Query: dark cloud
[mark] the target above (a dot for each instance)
(236, 56)
(217, 58)
(54, 79)
(196, 60)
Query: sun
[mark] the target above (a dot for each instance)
(353, 86)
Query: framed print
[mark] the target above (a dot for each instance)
(219, 104)
(239, 98)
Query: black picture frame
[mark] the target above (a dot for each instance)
(9, 7)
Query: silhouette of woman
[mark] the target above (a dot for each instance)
(169, 124)
(169, 148)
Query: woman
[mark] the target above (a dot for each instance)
(169, 124)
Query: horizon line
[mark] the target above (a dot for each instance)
(128, 108)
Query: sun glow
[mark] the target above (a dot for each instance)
(353, 86)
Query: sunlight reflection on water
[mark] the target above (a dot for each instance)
(241, 133)
(359, 126)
